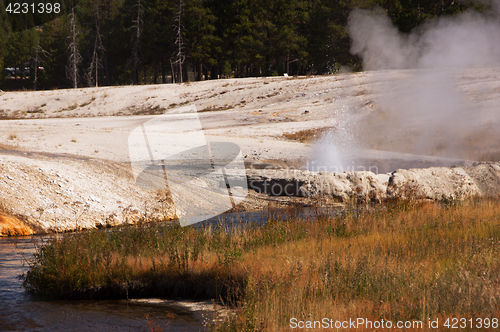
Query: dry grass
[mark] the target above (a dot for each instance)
(308, 135)
(88, 102)
(429, 261)
(35, 110)
(214, 108)
(147, 110)
(72, 107)
(9, 147)
(11, 226)
(401, 261)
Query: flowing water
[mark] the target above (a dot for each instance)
(21, 312)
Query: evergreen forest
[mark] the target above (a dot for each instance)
(79, 43)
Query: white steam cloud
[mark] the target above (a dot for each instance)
(337, 150)
(424, 111)
(464, 41)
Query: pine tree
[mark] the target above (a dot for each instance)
(248, 37)
(137, 39)
(328, 41)
(54, 39)
(158, 46)
(38, 58)
(290, 16)
(18, 50)
(4, 36)
(202, 45)
(92, 74)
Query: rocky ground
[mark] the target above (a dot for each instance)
(65, 162)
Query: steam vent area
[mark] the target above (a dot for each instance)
(66, 155)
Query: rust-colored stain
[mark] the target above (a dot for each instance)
(11, 226)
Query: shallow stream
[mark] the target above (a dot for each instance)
(21, 312)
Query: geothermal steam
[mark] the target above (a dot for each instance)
(464, 41)
(337, 150)
(421, 111)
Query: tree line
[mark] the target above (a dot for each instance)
(114, 42)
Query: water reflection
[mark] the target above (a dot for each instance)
(241, 220)
(20, 312)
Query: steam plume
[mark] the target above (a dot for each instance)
(425, 112)
(464, 41)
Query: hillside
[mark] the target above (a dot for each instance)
(65, 162)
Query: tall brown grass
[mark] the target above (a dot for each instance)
(308, 135)
(410, 261)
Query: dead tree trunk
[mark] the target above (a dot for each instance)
(136, 46)
(179, 42)
(38, 59)
(74, 57)
(97, 54)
